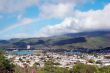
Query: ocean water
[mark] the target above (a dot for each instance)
(23, 52)
(20, 52)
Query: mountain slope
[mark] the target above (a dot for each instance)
(93, 40)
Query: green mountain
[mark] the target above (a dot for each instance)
(93, 40)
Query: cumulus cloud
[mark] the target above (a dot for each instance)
(95, 20)
(18, 5)
(59, 8)
(82, 21)
(57, 29)
(56, 10)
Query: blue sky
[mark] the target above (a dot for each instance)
(43, 18)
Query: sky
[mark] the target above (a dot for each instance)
(43, 18)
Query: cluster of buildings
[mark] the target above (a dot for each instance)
(61, 60)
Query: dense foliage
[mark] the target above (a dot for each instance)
(5, 65)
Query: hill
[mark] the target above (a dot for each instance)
(93, 40)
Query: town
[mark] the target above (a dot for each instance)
(60, 59)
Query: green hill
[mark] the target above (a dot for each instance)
(93, 40)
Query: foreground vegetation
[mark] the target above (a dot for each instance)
(51, 68)
(5, 65)
(78, 68)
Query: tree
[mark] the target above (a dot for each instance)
(5, 65)
(91, 61)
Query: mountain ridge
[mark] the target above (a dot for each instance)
(94, 39)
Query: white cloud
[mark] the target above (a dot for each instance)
(95, 20)
(82, 21)
(15, 5)
(64, 27)
(59, 10)
(67, 1)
